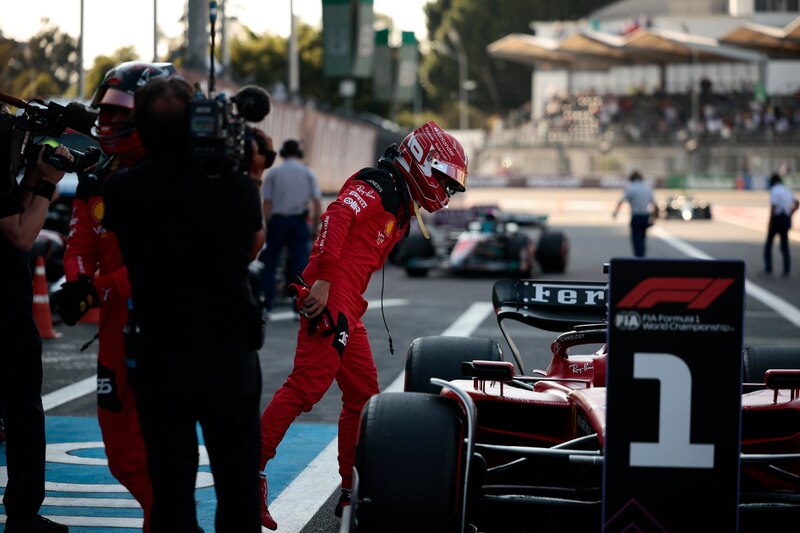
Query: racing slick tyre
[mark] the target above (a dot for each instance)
(552, 251)
(759, 359)
(408, 457)
(441, 357)
(417, 247)
(519, 249)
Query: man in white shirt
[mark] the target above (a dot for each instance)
(639, 195)
(782, 205)
(292, 204)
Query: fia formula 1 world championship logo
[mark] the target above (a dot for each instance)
(697, 293)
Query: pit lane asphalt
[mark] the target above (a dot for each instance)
(418, 307)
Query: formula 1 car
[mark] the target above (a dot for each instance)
(483, 239)
(684, 207)
(476, 444)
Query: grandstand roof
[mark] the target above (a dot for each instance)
(777, 43)
(678, 47)
(594, 43)
(593, 50)
(529, 50)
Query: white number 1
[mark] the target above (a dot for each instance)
(673, 448)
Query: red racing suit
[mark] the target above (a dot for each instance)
(359, 229)
(93, 251)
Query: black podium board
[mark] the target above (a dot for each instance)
(674, 395)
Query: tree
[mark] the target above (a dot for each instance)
(500, 85)
(45, 66)
(264, 60)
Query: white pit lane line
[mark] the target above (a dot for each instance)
(304, 496)
(779, 305)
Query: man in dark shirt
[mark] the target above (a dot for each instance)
(22, 214)
(187, 240)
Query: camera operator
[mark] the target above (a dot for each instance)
(22, 215)
(187, 239)
(91, 248)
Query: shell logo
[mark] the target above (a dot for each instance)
(389, 228)
(98, 210)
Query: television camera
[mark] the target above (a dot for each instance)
(219, 136)
(22, 134)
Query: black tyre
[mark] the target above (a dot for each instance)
(552, 251)
(759, 359)
(407, 465)
(518, 250)
(441, 357)
(416, 246)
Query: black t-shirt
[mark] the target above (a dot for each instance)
(186, 240)
(16, 285)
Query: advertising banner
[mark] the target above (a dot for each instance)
(383, 76)
(407, 62)
(337, 38)
(674, 395)
(348, 38)
(364, 35)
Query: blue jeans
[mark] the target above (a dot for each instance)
(292, 233)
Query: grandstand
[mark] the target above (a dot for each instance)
(716, 108)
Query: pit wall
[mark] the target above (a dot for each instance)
(724, 167)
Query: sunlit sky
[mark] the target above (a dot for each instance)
(111, 24)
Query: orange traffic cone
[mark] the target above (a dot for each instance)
(41, 303)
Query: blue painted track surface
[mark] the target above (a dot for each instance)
(82, 493)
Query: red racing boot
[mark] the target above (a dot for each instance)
(266, 519)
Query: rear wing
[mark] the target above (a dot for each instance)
(548, 305)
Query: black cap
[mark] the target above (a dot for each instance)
(291, 148)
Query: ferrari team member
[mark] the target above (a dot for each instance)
(358, 230)
(96, 274)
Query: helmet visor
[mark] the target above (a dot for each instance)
(452, 178)
(115, 97)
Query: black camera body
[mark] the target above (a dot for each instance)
(216, 131)
(219, 136)
(21, 136)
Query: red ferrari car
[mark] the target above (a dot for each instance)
(477, 444)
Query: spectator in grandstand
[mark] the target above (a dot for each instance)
(639, 195)
(782, 205)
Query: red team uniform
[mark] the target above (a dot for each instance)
(96, 275)
(358, 230)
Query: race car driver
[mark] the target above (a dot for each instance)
(96, 275)
(358, 230)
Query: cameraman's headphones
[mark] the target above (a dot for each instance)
(291, 148)
(262, 148)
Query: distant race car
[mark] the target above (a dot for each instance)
(684, 207)
(476, 444)
(483, 239)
